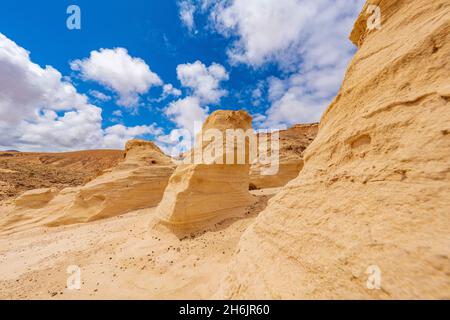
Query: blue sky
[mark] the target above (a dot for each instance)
(282, 60)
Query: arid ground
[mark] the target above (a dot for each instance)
(124, 257)
(23, 171)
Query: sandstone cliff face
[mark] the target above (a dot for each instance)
(135, 183)
(375, 189)
(207, 192)
(292, 144)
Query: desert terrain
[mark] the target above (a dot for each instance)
(132, 259)
(23, 171)
(368, 188)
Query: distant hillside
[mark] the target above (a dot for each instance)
(22, 171)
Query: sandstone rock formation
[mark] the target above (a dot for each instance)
(35, 199)
(373, 199)
(135, 183)
(206, 192)
(292, 144)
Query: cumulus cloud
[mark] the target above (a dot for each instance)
(119, 134)
(115, 69)
(40, 111)
(307, 39)
(266, 28)
(204, 81)
(169, 90)
(25, 87)
(185, 112)
(190, 112)
(204, 84)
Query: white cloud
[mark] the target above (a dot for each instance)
(175, 143)
(189, 113)
(115, 69)
(258, 118)
(204, 81)
(307, 39)
(117, 113)
(187, 10)
(118, 135)
(294, 106)
(40, 111)
(188, 116)
(257, 94)
(185, 112)
(169, 90)
(266, 28)
(283, 31)
(25, 87)
(99, 96)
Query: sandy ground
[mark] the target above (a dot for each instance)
(126, 257)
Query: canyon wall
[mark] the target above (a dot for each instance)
(369, 215)
(292, 144)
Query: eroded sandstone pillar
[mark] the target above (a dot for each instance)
(215, 187)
